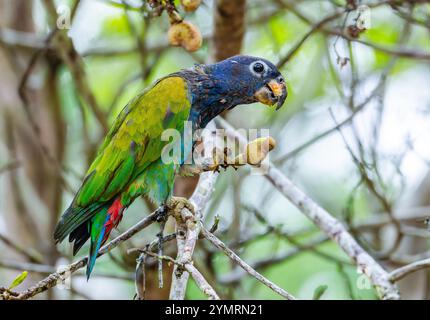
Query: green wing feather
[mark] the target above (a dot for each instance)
(131, 145)
(134, 141)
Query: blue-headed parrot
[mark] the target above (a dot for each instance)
(129, 162)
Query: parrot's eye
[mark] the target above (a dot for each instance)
(258, 67)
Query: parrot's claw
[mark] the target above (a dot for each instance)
(215, 168)
(178, 203)
(162, 213)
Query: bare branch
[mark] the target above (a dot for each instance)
(196, 275)
(47, 269)
(21, 39)
(331, 226)
(402, 272)
(57, 277)
(31, 254)
(237, 274)
(201, 282)
(66, 50)
(190, 232)
(407, 53)
(317, 26)
(233, 256)
(229, 28)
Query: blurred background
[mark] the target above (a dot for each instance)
(354, 135)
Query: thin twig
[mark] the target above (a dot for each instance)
(57, 277)
(400, 52)
(188, 231)
(402, 272)
(196, 275)
(328, 224)
(233, 256)
(201, 282)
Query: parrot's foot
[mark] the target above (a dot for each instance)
(223, 161)
(217, 166)
(176, 204)
(162, 213)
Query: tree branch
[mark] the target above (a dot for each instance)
(57, 277)
(233, 256)
(402, 272)
(229, 28)
(406, 53)
(237, 274)
(201, 282)
(188, 232)
(328, 224)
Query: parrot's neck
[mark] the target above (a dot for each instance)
(210, 95)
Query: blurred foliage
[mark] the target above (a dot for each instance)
(325, 170)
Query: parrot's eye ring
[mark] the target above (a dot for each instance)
(258, 67)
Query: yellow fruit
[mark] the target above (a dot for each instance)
(258, 149)
(190, 5)
(186, 35)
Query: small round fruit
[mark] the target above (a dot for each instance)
(186, 35)
(191, 5)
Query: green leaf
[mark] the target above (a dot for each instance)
(18, 280)
(319, 292)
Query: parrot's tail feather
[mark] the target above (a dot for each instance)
(114, 217)
(73, 218)
(79, 236)
(97, 235)
(94, 222)
(101, 226)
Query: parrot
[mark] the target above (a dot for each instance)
(129, 161)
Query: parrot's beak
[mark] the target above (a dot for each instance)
(272, 93)
(280, 91)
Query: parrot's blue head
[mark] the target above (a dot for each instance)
(247, 79)
(238, 80)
